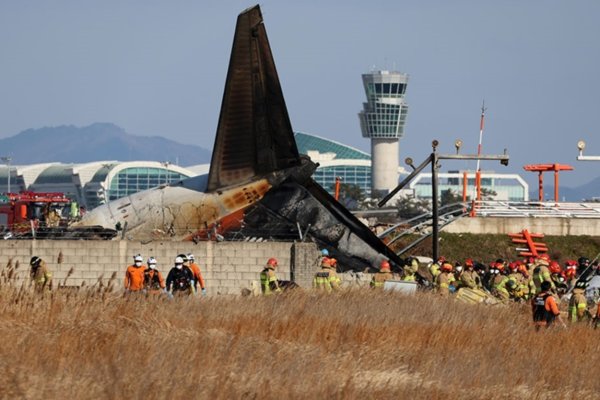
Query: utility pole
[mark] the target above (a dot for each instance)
(433, 159)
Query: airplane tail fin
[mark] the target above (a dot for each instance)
(254, 134)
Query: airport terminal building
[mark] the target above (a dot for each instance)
(95, 183)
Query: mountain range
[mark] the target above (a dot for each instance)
(96, 142)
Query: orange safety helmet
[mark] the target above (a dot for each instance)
(513, 266)
(554, 267)
(384, 266)
(332, 262)
(325, 262)
(446, 267)
(469, 262)
(523, 270)
(499, 266)
(272, 262)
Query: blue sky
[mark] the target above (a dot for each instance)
(158, 68)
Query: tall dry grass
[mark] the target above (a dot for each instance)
(95, 344)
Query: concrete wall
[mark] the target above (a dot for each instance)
(547, 226)
(227, 267)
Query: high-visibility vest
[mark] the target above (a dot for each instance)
(267, 276)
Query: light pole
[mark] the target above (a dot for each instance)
(433, 159)
(7, 160)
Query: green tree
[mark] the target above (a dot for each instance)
(409, 207)
(449, 196)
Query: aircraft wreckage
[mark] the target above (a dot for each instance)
(256, 177)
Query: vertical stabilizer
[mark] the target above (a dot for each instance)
(254, 135)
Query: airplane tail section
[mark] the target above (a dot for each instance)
(254, 134)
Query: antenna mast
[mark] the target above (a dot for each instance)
(478, 173)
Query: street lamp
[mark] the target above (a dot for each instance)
(7, 160)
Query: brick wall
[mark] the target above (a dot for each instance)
(227, 267)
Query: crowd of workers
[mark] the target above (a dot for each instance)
(184, 278)
(540, 280)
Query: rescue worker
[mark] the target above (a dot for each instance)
(578, 303)
(519, 279)
(134, 275)
(384, 274)
(198, 279)
(458, 271)
(445, 279)
(409, 273)
(499, 281)
(557, 277)
(40, 274)
(435, 268)
(541, 273)
(571, 274)
(544, 308)
(326, 279)
(583, 265)
(514, 291)
(470, 278)
(180, 280)
(186, 265)
(527, 286)
(153, 280)
(268, 279)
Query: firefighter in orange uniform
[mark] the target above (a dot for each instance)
(134, 275)
(198, 279)
(544, 307)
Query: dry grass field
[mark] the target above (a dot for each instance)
(93, 344)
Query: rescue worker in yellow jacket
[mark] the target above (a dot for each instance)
(384, 274)
(445, 279)
(269, 283)
(527, 285)
(499, 281)
(326, 279)
(541, 273)
(409, 273)
(578, 304)
(435, 268)
(469, 277)
(40, 274)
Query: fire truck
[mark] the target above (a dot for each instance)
(27, 211)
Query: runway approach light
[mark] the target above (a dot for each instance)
(458, 144)
(435, 144)
(581, 147)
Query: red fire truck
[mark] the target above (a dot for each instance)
(22, 212)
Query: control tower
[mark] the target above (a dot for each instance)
(382, 120)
